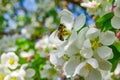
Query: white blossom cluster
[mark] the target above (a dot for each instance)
(85, 51)
(49, 72)
(8, 44)
(115, 21)
(44, 46)
(10, 69)
(97, 7)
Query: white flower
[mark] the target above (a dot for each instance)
(49, 72)
(28, 54)
(88, 69)
(14, 76)
(107, 75)
(26, 73)
(70, 66)
(81, 38)
(71, 48)
(56, 59)
(92, 4)
(3, 71)
(7, 44)
(29, 73)
(67, 19)
(97, 7)
(10, 60)
(44, 46)
(117, 3)
(27, 31)
(99, 42)
(117, 11)
(115, 21)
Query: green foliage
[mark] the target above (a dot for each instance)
(22, 60)
(38, 61)
(116, 57)
(111, 1)
(117, 45)
(24, 44)
(1, 23)
(116, 50)
(105, 22)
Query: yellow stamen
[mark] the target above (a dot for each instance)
(95, 44)
(2, 76)
(11, 61)
(13, 78)
(88, 67)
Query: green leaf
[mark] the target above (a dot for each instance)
(107, 26)
(24, 44)
(104, 18)
(36, 63)
(115, 59)
(117, 45)
(110, 1)
(22, 60)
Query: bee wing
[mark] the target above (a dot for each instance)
(56, 33)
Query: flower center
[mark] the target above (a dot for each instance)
(11, 61)
(2, 76)
(95, 44)
(88, 67)
(13, 78)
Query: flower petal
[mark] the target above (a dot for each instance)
(84, 72)
(92, 33)
(87, 53)
(30, 73)
(72, 38)
(107, 38)
(70, 66)
(104, 65)
(79, 22)
(87, 44)
(71, 49)
(81, 37)
(94, 75)
(67, 18)
(105, 52)
(78, 68)
(117, 2)
(115, 21)
(54, 38)
(4, 58)
(93, 62)
(55, 60)
(117, 11)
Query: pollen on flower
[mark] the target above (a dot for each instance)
(2, 76)
(13, 78)
(88, 67)
(95, 44)
(11, 61)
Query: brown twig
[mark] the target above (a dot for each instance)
(77, 2)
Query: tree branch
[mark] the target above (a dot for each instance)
(77, 2)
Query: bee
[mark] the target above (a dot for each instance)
(60, 31)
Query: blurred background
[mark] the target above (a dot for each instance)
(25, 26)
